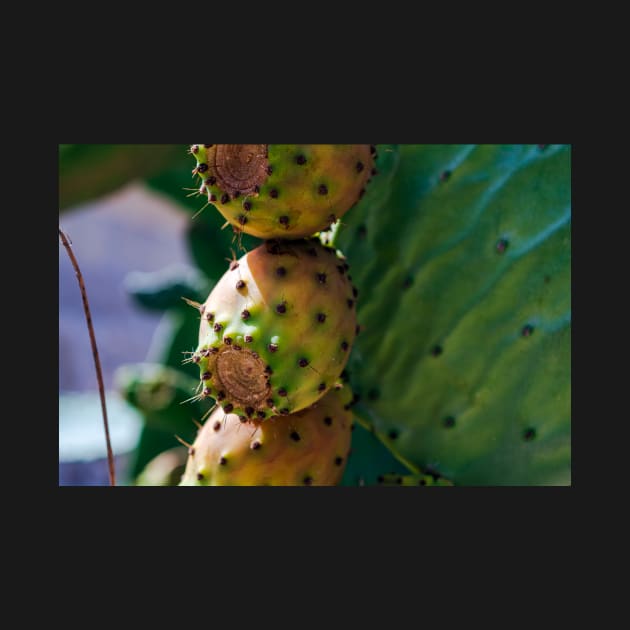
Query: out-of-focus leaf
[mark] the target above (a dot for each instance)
(87, 171)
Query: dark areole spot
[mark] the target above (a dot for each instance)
(245, 314)
(321, 278)
(295, 436)
(323, 189)
(202, 168)
(225, 198)
(272, 347)
(240, 284)
(256, 445)
(247, 206)
(308, 480)
(529, 434)
(338, 461)
(407, 282)
(248, 339)
(444, 175)
(206, 376)
(261, 414)
(502, 245)
(281, 272)
(223, 461)
(321, 387)
(242, 219)
(393, 434)
(216, 426)
(327, 421)
(437, 350)
(380, 479)
(199, 476)
(281, 308)
(228, 408)
(449, 422)
(282, 392)
(273, 193)
(359, 166)
(284, 220)
(284, 411)
(527, 330)
(422, 482)
(249, 411)
(362, 231)
(218, 327)
(300, 159)
(303, 362)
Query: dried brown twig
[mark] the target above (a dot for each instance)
(97, 364)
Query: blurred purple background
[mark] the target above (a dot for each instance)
(133, 229)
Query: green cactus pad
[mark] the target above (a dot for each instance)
(283, 190)
(464, 359)
(277, 329)
(310, 447)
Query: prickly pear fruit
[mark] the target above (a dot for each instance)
(283, 190)
(307, 448)
(277, 329)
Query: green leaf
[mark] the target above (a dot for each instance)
(88, 171)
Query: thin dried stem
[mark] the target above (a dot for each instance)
(97, 364)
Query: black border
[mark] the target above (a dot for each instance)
(389, 516)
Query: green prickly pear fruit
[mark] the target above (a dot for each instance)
(277, 329)
(307, 448)
(283, 190)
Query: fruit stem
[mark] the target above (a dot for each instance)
(368, 426)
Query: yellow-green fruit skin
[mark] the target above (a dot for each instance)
(304, 189)
(310, 447)
(277, 329)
